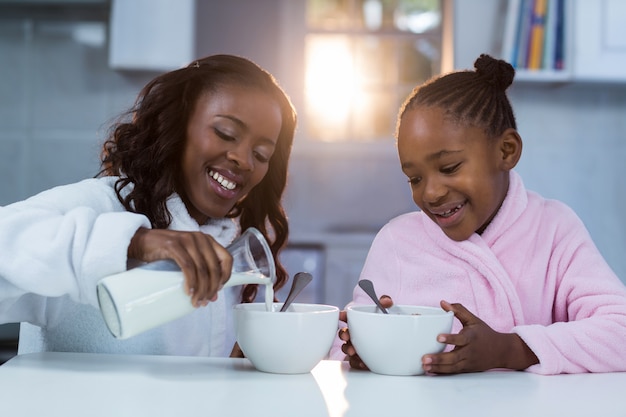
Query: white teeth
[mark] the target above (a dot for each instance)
(451, 211)
(229, 185)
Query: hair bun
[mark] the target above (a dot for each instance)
(496, 72)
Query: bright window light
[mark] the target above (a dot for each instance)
(363, 57)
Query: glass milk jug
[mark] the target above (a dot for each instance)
(153, 294)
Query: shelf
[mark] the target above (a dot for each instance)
(592, 40)
(536, 40)
(525, 75)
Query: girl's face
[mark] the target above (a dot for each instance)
(459, 177)
(231, 136)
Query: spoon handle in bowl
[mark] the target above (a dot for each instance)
(368, 287)
(300, 280)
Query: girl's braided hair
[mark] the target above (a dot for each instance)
(471, 97)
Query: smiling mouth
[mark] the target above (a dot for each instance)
(221, 180)
(450, 212)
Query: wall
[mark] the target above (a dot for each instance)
(57, 95)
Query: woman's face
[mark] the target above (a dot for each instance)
(457, 174)
(231, 136)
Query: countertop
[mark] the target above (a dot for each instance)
(80, 384)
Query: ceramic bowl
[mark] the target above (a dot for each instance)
(290, 342)
(394, 343)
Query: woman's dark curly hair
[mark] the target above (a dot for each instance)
(475, 98)
(145, 148)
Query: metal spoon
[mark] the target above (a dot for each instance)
(300, 280)
(368, 287)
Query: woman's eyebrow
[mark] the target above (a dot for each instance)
(232, 118)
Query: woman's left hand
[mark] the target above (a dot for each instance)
(477, 347)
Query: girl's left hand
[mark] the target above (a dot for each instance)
(477, 347)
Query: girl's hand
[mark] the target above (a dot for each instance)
(205, 263)
(237, 352)
(344, 334)
(477, 347)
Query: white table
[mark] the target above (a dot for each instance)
(71, 384)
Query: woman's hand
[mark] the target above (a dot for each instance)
(477, 347)
(205, 263)
(344, 334)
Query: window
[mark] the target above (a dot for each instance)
(363, 57)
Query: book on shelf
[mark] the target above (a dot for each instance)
(559, 41)
(510, 40)
(537, 32)
(549, 50)
(534, 35)
(523, 36)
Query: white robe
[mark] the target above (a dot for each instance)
(56, 246)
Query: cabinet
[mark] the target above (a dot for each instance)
(151, 35)
(343, 269)
(9, 334)
(593, 39)
(600, 40)
(341, 260)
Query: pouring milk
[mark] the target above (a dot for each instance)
(153, 294)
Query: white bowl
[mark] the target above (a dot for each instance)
(394, 343)
(291, 342)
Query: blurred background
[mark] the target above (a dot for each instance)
(67, 68)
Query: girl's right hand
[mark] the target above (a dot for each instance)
(344, 334)
(205, 263)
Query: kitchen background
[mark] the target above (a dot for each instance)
(68, 67)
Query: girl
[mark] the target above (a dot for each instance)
(201, 156)
(547, 301)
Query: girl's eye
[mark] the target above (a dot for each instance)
(450, 169)
(414, 180)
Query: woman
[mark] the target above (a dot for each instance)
(202, 155)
